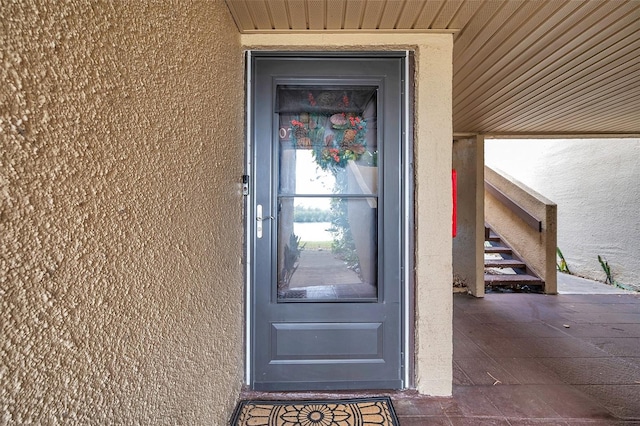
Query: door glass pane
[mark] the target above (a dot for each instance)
(327, 194)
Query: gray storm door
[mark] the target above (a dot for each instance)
(325, 221)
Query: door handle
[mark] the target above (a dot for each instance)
(260, 219)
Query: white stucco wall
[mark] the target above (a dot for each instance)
(121, 131)
(595, 185)
(433, 157)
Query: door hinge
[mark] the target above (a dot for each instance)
(245, 184)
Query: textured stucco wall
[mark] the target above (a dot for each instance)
(121, 126)
(432, 154)
(434, 270)
(595, 184)
(468, 245)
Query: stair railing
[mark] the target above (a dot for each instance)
(526, 220)
(527, 217)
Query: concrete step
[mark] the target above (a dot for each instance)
(512, 279)
(500, 272)
(492, 237)
(498, 249)
(504, 263)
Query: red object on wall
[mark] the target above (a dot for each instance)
(454, 190)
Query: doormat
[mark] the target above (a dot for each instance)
(376, 411)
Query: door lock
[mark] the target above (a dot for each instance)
(260, 219)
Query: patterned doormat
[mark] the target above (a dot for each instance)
(376, 411)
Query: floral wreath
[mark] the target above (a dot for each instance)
(333, 147)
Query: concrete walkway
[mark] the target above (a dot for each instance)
(571, 284)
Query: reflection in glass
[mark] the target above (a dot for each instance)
(327, 194)
(328, 253)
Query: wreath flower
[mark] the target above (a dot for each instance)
(343, 138)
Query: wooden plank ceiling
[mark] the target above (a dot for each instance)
(525, 67)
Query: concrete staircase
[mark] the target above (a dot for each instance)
(504, 269)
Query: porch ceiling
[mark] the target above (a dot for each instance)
(521, 67)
